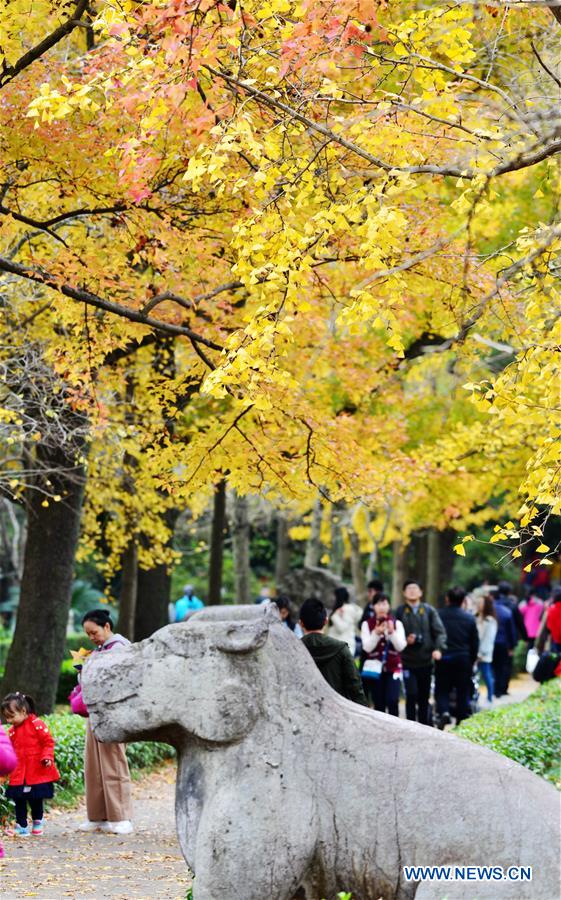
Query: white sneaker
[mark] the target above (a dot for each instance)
(90, 826)
(124, 827)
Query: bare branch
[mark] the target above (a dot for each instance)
(522, 161)
(553, 234)
(555, 10)
(275, 104)
(83, 296)
(544, 66)
(10, 72)
(189, 304)
(33, 223)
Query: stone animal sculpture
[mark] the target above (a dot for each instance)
(283, 785)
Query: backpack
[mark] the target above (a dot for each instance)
(546, 665)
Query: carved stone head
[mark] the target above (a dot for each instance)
(200, 678)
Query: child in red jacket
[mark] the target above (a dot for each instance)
(32, 779)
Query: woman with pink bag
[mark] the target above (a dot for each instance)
(8, 762)
(106, 771)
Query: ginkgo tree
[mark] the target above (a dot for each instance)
(318, 204)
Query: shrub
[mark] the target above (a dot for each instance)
(527, 732)
(69, 733)
(66, 681)
(519, 657)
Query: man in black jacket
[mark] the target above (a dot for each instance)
(455, 668)
(333, 658)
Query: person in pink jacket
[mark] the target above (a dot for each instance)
(8, 762)
(532, 612)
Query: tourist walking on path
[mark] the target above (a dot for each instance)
(373, 587)
(344, 619)
(505, 596)
(283, 605)
(383, 639)
(106, 770)
(454, 669)
(32, 779)
(487, 628)
(531, 611)
(426, 639)
(187, 604)
(505, 642)
(332, 657)
(8, 762)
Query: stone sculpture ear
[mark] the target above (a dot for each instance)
(239, 637)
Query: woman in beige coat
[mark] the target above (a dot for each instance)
(106, 770)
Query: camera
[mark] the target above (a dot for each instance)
(418, 640)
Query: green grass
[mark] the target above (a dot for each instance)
(527, 732)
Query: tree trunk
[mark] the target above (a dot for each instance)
(153, 599)
(416, 559)
(13, 541)
(217, 545)
(129, 558)
(372, 566)
(153, 595)
(128, 594)
(283, 549)
(432, 588)
(398, 572)
(313, 547)
(37, 650)
(337, 547)
(239, 530)
(357, 569)
(446, 558)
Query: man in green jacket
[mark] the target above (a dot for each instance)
(426, 639)
(333, 658)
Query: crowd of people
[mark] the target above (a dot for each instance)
(368, 655)
(371, 655)
(417, 649)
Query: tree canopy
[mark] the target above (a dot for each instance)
(304, 246)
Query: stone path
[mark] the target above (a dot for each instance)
(519, 688)
(68, 863)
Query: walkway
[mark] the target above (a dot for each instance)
(519, 688)
(67, 863)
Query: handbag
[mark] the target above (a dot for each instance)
(532, 660)
(373, 668)
(546, 666)
(77, 704)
